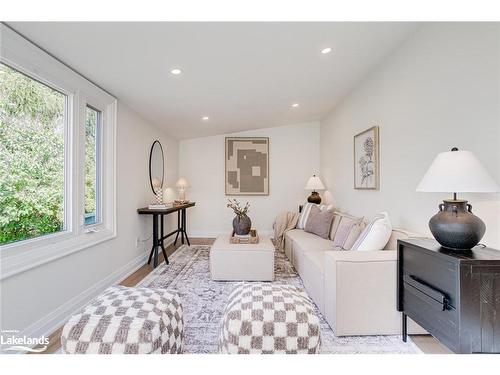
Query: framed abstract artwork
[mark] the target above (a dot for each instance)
(366, 160)
(247, 166)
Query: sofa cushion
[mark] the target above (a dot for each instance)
(337, 219)
(376, 234)
(304, 215)
(319, 222)
(295, 234)
(305, 242)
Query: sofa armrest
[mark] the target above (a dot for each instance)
(360, 292)
(362, 256)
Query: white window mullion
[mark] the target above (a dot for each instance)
(79, 165)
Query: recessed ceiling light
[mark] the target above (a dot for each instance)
(176, 71)
(205, 118)
(295, 105)
(326, 50)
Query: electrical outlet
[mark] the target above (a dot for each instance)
(137, 242)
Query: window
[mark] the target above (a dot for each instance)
(32, 119)
(92, 166)
(57, 158)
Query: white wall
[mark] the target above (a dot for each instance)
(35, 300)
(438, 90)
(293, 158)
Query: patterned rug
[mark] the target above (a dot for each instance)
(204, 300)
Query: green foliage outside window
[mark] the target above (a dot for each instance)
(91, 120)
(31, 157)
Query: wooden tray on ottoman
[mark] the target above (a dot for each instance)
(243, 240)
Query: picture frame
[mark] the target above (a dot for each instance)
(246, 162)
(367, 159)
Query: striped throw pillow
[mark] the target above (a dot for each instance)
(306, 210)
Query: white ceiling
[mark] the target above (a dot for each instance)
(242, 75)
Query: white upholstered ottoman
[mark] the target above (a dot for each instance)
(269, 318)
(242, 262)
(128, 321)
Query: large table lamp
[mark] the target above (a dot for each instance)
(314, 183)
(455, 226)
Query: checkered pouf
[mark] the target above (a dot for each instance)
(127, 320)
(269, 318)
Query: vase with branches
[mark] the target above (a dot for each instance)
(241, 223)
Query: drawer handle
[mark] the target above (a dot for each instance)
(435, 294)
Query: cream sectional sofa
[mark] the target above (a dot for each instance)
(355, 290)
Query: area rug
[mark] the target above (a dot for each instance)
(204, 300)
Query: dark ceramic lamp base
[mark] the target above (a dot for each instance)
(314, 198)
(455, 227)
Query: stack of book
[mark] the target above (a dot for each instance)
(162, 206)
(250, 238)
(179, 202)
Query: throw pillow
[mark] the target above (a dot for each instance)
(319, 222)
(353, 235)
(376, 234)
(337, 219)
(306, 209)
(347, 232)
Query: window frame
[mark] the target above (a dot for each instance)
(25, 57)
(92, 104)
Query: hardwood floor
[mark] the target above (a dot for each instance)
(426, 343)
(430, 345)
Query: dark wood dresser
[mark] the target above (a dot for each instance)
(455, 296)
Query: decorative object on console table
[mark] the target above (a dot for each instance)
(314, 183)
(158, 194)
(241, 223)
(156, 166)
(453, 295)
(182, 184)
(247, 166)
(156, 174)
(366, 159)
(455, 226)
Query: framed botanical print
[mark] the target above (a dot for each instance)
(247, 166)
(366, 159)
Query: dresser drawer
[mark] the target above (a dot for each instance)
(440, 321)
(436, 273)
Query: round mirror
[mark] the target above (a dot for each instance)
(156, 166)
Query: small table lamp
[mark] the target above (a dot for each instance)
(182, 184)
(314, 183)
(454, 226)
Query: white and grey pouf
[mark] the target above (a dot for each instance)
(127, 320)
(269, 318)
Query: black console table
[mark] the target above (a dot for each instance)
(454, 295)
(158, 236)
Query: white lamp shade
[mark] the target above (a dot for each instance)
(182, 183)
(457, 172)
(314, 183)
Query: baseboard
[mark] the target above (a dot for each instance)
(215, 234)
(54, 320)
